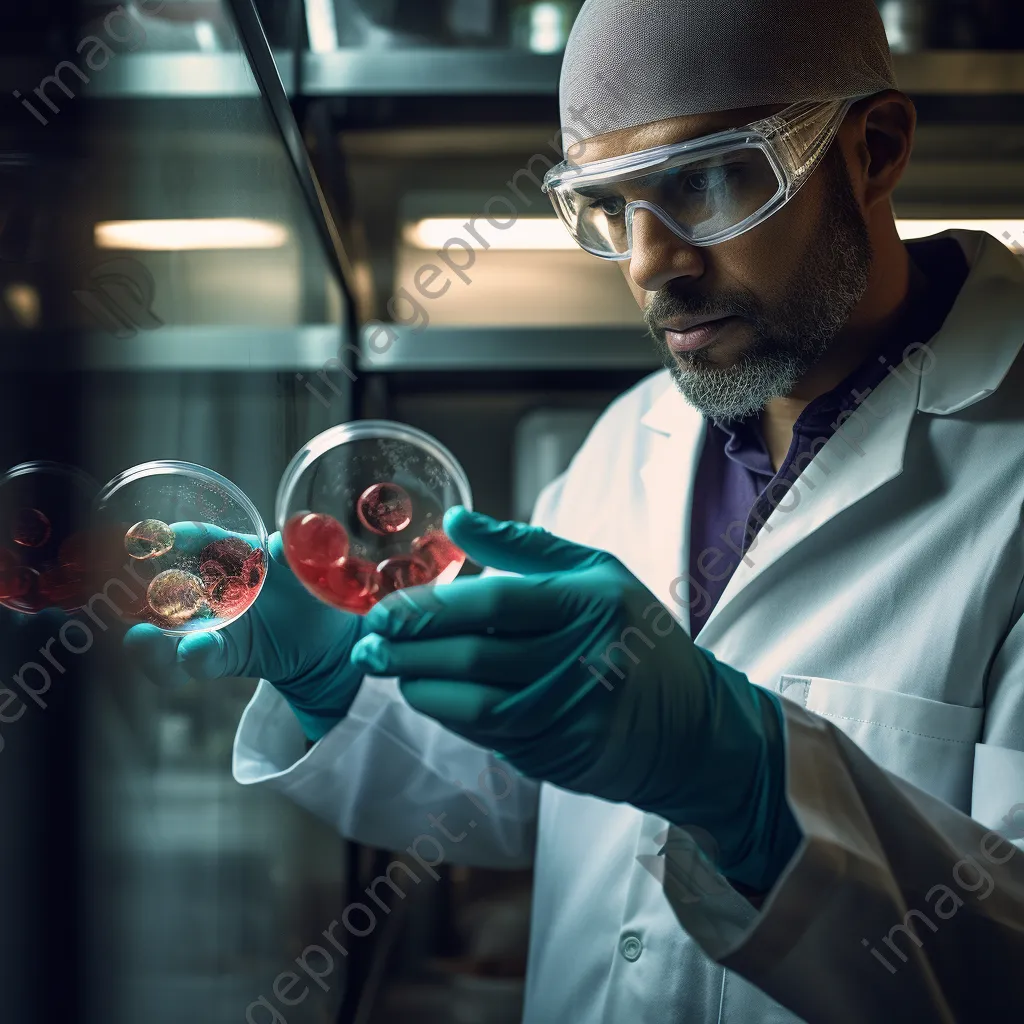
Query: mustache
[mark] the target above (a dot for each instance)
(672, 303)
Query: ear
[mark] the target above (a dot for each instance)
(878, 135)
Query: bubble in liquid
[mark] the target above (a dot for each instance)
(30, 528)
(17, 582)
(176, 595)
(314, 539)
(384, 509)
(354, 584)
(149, 539)
(402, 571)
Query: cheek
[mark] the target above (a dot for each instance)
(763, 261)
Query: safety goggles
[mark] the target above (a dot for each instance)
(706, 190)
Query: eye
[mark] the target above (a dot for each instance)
(611, 206)
(706, 179)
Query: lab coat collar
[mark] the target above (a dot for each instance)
(982, 336)
(971, 354)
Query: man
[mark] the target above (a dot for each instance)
(823, 491)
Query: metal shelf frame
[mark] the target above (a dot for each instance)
(457, 71)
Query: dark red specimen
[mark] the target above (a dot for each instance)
(384, 509)
(402, 571)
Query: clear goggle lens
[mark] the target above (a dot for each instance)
(706, 198)
(707, 190)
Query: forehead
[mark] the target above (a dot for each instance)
(662, 133)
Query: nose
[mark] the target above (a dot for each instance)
(659, 255)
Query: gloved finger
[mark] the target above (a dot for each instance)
(497, 661)
(191, 537)
(495, 605)
(215, 655)
(513, 547)
(155, 654)
(461, 707)
(276, 545)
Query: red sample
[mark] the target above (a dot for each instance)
(74, 552)
(436, 549)
(229, 596)
(402, 571)
(231, 572)
(384, 509)
(314, 539)
(30, 528)
(64, 588)
(251, 573)
(211, 572)
(353, 584)
(17, 583)
(231, 553)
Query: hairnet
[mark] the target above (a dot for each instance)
(631, 62)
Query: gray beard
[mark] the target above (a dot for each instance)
(831, 280)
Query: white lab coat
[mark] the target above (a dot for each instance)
(884, 601)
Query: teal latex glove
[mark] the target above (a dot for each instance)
(577, 675)
(288, 637)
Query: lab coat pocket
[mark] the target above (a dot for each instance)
(927, 742)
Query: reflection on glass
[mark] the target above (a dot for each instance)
(186, 232)
(162, 26)
(540, 27)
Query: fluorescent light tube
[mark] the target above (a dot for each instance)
(524, 233)
(175, 235)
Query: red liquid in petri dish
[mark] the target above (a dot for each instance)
(436, 549)
(229, 596)
(17, 583)
(384, 509)
(401, 571)
(74, 554)
(314, 539)
(230, 553)
(64, 588)
(231, 573)
(353, 584)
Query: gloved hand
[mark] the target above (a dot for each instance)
(577, 675)
(288, 637)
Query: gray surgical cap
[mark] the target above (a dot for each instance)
(631, 62)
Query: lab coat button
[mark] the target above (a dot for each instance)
(631, 948)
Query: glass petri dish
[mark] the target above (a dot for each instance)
(44, 507)
(179, 546)
(360, 510)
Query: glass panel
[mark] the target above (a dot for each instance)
(163, 281)
(537, 27)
